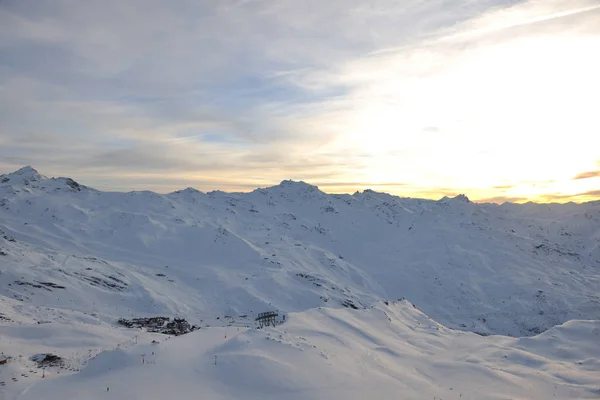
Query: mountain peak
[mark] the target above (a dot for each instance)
(300, 185)
(365, 192)
(291, 182)
(27, 171)
(188, 191)
(24, 176)
(461, 198)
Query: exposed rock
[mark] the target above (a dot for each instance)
(73, 185)
(349, 304)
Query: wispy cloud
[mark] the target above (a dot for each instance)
(504, 186)
(503, 199)
(586, 196)
(590, 193)
(587, 175)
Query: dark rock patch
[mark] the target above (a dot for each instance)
(35, 285)
(51, 285)
(349, 304)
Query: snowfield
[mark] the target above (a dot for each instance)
(524, 278)
(387, 352)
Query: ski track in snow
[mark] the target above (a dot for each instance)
(73, 260)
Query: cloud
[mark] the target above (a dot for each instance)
(522, 16)
(338, 92)
(586, 175)
(589, 195)
(502, 199)
(362, 184)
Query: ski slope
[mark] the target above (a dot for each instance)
(387, 352)
(73, 260)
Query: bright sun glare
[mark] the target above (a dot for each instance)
(518, 114)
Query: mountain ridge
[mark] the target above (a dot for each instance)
(478, 267)
(33, 175)
(75, 260)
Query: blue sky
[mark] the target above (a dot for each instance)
(418, 98)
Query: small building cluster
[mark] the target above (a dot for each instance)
(164, 325)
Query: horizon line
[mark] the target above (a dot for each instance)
(442, 194)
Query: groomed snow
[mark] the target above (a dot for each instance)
(387, 352)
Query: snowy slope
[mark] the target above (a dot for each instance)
(510, 269)
(387, 352)
(73, 260)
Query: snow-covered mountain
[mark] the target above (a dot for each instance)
(80, 259)
(509, 269)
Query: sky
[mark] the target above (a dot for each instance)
(497, 99)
